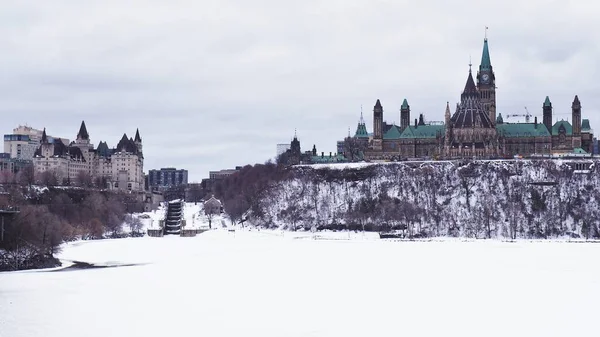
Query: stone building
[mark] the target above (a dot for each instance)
(118, 168)
(471, 132)
(474, 130)
(24, 141)
(213, 206)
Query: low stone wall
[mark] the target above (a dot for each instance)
(155, 233)
(191, 232)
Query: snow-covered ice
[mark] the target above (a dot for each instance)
(270, 283)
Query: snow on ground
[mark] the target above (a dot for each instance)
(273, 283)
(193, 214)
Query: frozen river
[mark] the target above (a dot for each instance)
(264, 284)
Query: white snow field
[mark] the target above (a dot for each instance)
(265, 283)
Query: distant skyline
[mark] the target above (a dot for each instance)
(217, 84)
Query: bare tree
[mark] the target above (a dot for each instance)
(96, 229)
(210, 216)
(115, 214)
(7, 177)
(101, 182)
(489, 213)
(195, 192)
(468, 182)
(292, 214)
(135, 224)
(49, 178)
(235, 208)
(353, 148)
(84, 179)
(26, 176)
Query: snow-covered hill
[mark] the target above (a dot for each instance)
(507, 199)
(193, 214)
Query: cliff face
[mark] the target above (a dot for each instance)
(498, 199)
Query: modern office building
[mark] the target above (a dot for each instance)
(166, 177)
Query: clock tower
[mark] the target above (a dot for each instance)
(486, 82)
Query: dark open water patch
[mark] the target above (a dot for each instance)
(81, 265)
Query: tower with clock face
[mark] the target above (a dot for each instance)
(486, 82)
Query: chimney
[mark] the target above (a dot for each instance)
(416, 123)
(322, 154)
(329, 154)
(535, 122)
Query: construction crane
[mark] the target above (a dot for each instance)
(527, 115)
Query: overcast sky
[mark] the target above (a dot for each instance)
(215, 84)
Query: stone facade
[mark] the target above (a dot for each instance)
(474, 130)
(119, 168)
(24, 141)
(213, 206)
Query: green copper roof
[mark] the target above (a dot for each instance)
(585, 125)
(522, 130)
(423, 131)
(499, 119)
(547, 102)
(361, 131)
(567, 125)
(404, 104)
(486, 64)
(579, 150)
(392, 133)
(327, 159)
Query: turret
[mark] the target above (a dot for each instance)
(448, 125)
(82, 136)
(499, 119)
(378, 120)
(138, 140)
(404, 115)
(576, 116)
(44, 137)
(547, 114)
(470, 90)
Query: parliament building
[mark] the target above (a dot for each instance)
(474, 130)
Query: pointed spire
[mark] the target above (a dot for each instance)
(361, 120)
(486, 64)
(404, 104)
(44, 137)
(547, 102)
(137, 138)
(470, 88)
(576, 100)
(499, 119)
(83, 134)
(378, 104)
(447, 109)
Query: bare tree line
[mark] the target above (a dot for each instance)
(537, 199)
(48, 217)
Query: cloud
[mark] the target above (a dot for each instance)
(216, 84)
